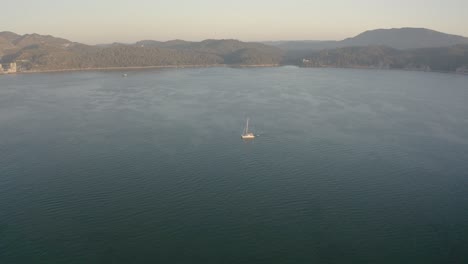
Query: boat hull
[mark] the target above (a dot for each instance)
(248, 136)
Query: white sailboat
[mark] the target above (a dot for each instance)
(246, 134)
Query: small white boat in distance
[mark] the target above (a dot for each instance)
(246, 134)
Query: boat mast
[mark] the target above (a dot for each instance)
(247, 127)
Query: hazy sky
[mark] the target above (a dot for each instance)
(103, 21)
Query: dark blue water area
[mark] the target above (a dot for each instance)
(348, 166)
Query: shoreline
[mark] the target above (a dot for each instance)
(386, 69)
(215, 66)
(148, 67)
(123, 68)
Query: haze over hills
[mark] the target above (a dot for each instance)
(405, 48)
(397, 38)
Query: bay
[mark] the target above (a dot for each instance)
(348, 166)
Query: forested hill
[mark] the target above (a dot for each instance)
(38, 52)
(33, 52)
(444, 59)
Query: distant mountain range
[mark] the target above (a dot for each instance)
(406, 48)
(397, 38)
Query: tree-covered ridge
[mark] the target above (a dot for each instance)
(33, 52)
(447, 59)
(36, 52)
(82, 57)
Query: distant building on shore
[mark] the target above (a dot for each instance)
(8, 67)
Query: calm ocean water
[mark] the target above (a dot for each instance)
(349, 166)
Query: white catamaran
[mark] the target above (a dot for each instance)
(246, 134)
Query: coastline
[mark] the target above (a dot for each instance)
(214, 66)
(125, 68)
(150, 67)
(387, 69)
